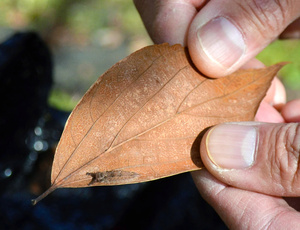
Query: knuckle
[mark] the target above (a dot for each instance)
(293, 150)
(266, 16)
(285, 164)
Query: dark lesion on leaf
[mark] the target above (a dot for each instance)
(111, 177)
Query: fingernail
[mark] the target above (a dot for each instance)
(222, 42)
(232, 146)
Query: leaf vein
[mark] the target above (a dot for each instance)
(125, 124)
(54, 181)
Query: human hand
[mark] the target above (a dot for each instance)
(223, 35)
(247, 161)
(252, 25)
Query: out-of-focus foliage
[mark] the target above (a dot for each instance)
(62, 100)
(75, 21)
(77, 27)
(110, 24)
(281, 51)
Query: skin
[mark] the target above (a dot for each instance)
(244, 198)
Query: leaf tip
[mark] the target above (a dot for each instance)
(282, 64)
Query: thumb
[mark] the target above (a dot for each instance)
(260, 157)
(224, 35)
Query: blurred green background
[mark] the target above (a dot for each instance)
(88, 36)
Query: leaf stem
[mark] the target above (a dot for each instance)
(46, 193)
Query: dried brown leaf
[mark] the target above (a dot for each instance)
(141, 119)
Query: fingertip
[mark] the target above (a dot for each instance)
(207, 184)
(167, 21)
(229, 146)
(204, 151)
(269, 98)
(202, 178)
(291, 111)
(279, 98)
(276, 95)
(267, 113)
(215, 47)
(221, 39)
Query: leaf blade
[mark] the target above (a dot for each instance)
(140, 121)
